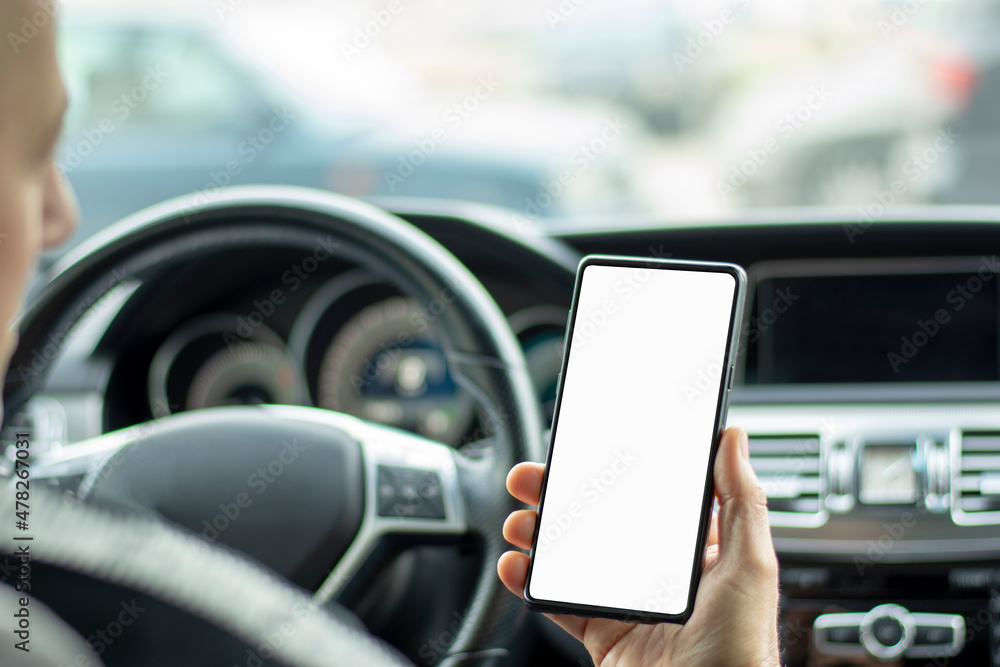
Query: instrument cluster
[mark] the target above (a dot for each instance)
(356, 346)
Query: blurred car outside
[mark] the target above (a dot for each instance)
(865, 113)
(168, 107)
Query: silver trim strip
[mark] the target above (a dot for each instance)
(825, 622)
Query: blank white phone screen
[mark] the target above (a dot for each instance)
(636, 424)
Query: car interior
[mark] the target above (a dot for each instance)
(301, 389)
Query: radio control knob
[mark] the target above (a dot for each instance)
(887, 631)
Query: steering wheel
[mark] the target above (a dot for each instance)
(341, 489)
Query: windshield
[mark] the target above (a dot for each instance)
(607, 109)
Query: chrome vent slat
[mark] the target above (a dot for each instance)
(788, 467)
(968, 483)
(979, 504)
(989, 484)
(780, 486)
(765, 446)
(805, 506)
(981, 462)
(794, 464)
(977, 480)
(980, 444)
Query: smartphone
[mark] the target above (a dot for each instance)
(627, 493)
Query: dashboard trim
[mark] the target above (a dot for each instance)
(890, 533)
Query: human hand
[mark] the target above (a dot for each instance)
(734, 621)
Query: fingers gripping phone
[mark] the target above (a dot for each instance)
(627, 493)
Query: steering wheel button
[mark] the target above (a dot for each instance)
(409, 493)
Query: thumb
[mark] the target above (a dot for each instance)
(744, 532)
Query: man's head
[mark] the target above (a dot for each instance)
(37, 209)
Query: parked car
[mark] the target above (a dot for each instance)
(176, 89)
(838, 127)
(977, 171)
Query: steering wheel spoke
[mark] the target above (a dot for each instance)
(413, 495)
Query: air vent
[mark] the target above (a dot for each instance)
(976, 486)
(788, 467)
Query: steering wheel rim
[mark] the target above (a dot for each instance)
(477, 342)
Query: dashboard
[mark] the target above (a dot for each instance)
(869, 382)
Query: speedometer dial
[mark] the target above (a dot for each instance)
(541, 330)
(543, 354)
(383, 368)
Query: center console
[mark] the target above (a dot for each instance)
(871, 393)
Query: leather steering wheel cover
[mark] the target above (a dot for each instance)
(474, 333)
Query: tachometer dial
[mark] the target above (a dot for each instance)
(246, 374)
(385, 365)
(209, 361)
